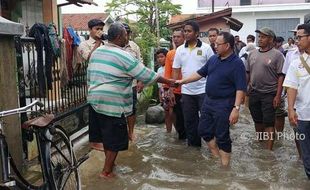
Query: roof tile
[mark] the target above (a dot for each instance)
(79, 21)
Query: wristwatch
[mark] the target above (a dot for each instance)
(237, 107)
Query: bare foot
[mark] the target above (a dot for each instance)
(132, 137)
(107, 175)
(96, 146)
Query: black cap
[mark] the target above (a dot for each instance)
(126, 26)
(95, 22)
(279, 39)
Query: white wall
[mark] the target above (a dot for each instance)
(31, 13)
(249, 20)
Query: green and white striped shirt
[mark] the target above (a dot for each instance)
(110, 73)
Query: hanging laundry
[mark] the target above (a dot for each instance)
(42, 42)
(64, 77)
(74, 36)
(54, 39)
(69, 52)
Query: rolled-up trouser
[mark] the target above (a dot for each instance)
(191, 105)
(214, 122)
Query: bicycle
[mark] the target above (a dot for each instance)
(57, 159)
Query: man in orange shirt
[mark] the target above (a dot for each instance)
(178, 39)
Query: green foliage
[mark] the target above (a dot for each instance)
(147, 98)
(145, 13)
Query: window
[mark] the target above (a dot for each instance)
(245, 2)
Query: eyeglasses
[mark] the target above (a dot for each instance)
(218, 44)
(299, 37)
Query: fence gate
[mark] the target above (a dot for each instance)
(67, 101)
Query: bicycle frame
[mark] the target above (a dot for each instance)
(8, 180)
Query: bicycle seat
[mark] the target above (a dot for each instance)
(42, 121)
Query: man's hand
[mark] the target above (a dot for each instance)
(140, 86)
(99, 34)
(172, 83)
(234, 115)
(276, 101)
(179, 82)
(292, 116)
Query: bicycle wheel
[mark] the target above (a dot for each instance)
(63, 162)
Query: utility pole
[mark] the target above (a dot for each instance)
(157, 22)
(212, 6)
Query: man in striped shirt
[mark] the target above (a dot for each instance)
(110, 73)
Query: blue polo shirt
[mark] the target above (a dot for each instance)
(225, 76)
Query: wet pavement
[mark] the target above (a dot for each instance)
(157, 160)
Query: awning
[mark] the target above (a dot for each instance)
(78, 3)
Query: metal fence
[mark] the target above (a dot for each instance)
(61, 99)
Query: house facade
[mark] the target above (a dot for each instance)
(79, 21)
(220, 19)
(280, 15)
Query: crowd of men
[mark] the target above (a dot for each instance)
(205, 85)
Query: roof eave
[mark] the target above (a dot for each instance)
(219, 14)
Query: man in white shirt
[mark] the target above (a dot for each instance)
(297, 82)
(137, 86)
(189, 58)
(87, 47)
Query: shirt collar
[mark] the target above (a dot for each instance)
(229, 58)
(127, 45)
(92, 40)
(306, 56)
(113, 45)
(199, 43)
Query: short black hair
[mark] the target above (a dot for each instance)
(214, 29)
(162, 50)
(279, 39)
(179, 30)
(193, 24)
(306, 27)
(251, 37)
(127, 27)
(115, 30)
(228, 38)
(95, 22)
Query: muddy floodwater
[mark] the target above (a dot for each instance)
(157, 160)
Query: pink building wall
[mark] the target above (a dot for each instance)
(222, 3)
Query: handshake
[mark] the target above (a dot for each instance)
(174, 83)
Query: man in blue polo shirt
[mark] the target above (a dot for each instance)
(225, 89)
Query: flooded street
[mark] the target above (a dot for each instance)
(157, 160)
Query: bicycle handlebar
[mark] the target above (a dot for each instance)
(21, 110)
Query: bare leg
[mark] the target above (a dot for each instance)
(110, 157)
(213, 148)
(225, 158)
(270, 139)
(169, 120)
(259, 128)
(298, 147)
(131, 120)
(279, 123)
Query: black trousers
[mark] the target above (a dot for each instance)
(191, 105)
(178, 111)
